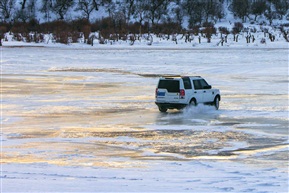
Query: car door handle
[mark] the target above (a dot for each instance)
(195, 92)
(204, 91)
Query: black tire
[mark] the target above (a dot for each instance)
(217, 102)
(163, 109)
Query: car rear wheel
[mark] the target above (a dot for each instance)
(193, 103)
(163, 109)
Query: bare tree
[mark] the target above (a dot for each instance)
(240, 8)
(139, 13)
(194, 9)
(281, 6)
(155, 9)
(269, 14)
(28, 13)
(23, 4)
(6, 8)
(86, 7)
(58, 7)
(47, 9)
(285, 33)
(178, 13)
(258, 8)
(128, 8)
(212, 9)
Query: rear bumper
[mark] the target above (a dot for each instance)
(171, 105)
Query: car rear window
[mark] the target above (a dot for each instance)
(170, 85)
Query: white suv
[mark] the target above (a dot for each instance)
(176, 92)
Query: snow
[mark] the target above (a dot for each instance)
(193, 176)
(77, 118)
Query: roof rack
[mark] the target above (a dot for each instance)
(171, 75)
(191, 76)
(178, 76)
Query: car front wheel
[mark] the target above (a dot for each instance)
(217, 103)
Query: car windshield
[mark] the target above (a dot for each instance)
(170, 85)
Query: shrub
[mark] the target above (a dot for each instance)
(86, 30)
(224, 30)
(4, 27)
(17, 37)
(62, 37)
(75, 36)
(209, 27)
(134, 28)
(38, 37)
(33, 25)
(209, 31)
(167, 28)
(19, 27)
(238, 27)
(3, 30)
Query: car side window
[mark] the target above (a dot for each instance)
(203, 83)
(187, 83)
(197, 84)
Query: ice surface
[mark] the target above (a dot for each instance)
(83, 119)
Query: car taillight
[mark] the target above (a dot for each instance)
(182, 93)
(156, 92)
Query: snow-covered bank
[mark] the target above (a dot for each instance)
(160, 43)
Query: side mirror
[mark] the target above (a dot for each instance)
(208, 87)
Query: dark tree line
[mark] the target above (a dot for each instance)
(152, 11)
(271, 9)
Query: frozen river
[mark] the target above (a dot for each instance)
(87, 116)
